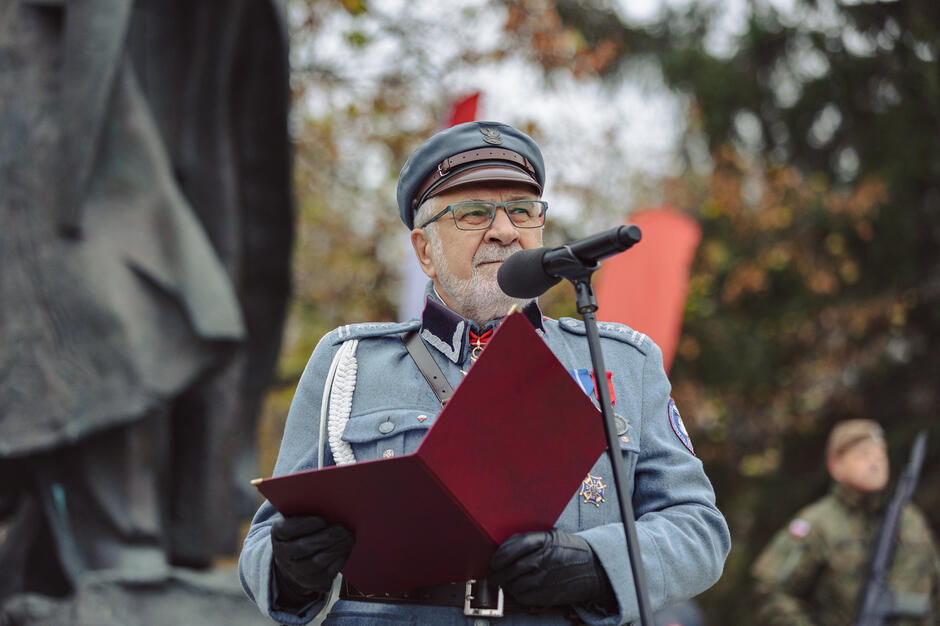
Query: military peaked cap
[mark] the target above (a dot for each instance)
(848, 433)
(468, 153)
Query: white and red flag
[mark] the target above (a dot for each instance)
(411, 300)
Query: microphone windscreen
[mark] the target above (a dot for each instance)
(523, 275)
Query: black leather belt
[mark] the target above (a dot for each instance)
(476, 598)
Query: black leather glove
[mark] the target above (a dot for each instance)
(308, 553)
(550, 568)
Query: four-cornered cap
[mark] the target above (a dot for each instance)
(848, 433)
(468, 153)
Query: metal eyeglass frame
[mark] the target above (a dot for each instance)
(496, 206)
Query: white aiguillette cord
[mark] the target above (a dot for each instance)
(336, 404)
(335, 407)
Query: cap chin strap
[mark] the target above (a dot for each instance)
(465, 158)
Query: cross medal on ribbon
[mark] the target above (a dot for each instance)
(478, 342)
(593, 487)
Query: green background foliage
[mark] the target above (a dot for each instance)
(814, 292)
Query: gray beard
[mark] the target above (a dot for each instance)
(478, 297)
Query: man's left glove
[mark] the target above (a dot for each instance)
(550, 568)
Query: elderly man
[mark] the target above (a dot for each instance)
(814, 570)
(471, 197)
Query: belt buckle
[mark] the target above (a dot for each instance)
(472, 611)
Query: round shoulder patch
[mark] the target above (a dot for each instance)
(798, 528)
(675, 420)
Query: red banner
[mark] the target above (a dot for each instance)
(646, 287)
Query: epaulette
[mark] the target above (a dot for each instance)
(366, 330)
(611, 330)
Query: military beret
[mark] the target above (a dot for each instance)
(848, 433)
(468, 153)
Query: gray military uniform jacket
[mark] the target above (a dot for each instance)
(683, 537)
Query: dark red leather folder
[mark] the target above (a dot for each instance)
(504, 456)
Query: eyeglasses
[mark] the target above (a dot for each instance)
(477, 215)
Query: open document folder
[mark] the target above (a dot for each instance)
(505, 456)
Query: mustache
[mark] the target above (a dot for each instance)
(495, 252)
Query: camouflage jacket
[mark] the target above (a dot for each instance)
(814, 570)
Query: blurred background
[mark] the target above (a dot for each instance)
(241, 158)
(802, 137)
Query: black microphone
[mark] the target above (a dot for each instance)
(530, 273)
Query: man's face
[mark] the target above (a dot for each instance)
(863, 467)
(463, 263)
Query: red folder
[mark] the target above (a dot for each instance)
(504, 456)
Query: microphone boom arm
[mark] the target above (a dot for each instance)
(578, 266)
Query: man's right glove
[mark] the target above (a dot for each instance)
(308, 553)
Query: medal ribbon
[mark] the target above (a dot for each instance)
(610, 385)
(585, 379)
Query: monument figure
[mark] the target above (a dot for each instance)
(145, 231)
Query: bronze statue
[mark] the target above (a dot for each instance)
(145, 230)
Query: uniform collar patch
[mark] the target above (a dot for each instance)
(449, 333)
(678, 427)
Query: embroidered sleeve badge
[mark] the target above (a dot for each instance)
(678, 427)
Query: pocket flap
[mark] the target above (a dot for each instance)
(384, 424)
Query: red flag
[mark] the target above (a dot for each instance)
(646, 287)
(464, 110)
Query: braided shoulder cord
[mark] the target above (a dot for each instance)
(341, 394)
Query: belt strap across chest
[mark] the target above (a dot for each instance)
(428, 366)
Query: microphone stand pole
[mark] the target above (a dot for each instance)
(579, 274)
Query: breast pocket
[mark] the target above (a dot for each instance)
(388, 433)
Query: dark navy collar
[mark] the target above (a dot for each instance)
(448, 332)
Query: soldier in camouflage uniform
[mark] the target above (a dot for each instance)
(813, 572)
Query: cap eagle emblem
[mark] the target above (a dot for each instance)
(491, 135)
